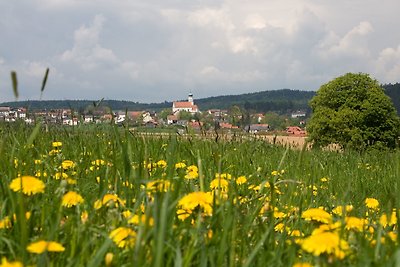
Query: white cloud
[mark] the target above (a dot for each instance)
(388, 64)
(87, 52)
(159, 49)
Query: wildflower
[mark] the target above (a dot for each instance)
(280, 227)
(354, 223)
(53, 152)
(192, 172)
(6, 263)
(123, 237)
(324, 179)
(226, 176)
(108, 199)
(5, 223)
(60, 175)
(221, 184)
(317, 214)
(372, 203)
(84, 216)
(339, 209)
(108, 258)
(241, 180)
(384, 221)
(67, 164)
(98, 162)
(162, 164)
(274, 173)
(201, 200)
(56, 144)
(28, 184)
(71, 199)
(158, 185)
(140, 219)
(180, 165)
(42, 246)
(325, 242)
(302, 264)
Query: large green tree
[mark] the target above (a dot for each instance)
(353, 111)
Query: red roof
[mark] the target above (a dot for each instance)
(184, 105)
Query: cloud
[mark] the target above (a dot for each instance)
(388, 64)
(87, 53)
(160, 50)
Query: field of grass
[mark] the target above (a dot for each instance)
(103, 196)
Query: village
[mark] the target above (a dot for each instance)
(182, 115)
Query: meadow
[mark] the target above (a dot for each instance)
(104, 196)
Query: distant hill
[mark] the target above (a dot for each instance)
(277, 100)
(393, 91)
(281, 101)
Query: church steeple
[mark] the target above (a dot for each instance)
(190, 98)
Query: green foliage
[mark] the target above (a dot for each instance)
(353, 111)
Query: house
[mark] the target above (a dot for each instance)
(295, 130)
(4, 111)
(258, 128)
(225, 125)
(298, 114)
(172, 119)
(188, 106)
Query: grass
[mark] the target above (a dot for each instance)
(251, 224)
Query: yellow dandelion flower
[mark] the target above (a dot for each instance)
(372, 203)
(317, 214)
(221, 184)
(274, 173)
(84, 216)
(108, 200)
(241, 180)
(108, 259)
(385, 221)
(226, 176)
(180, 165)
(354, 223)
(302, 264)
(56, 144)
(98, 162)
(162, 164)
(29, 185)
(42, 246)
(71, 198)
(158, 185)
(324, 179)
(202, 200)
(123, 237)
(5, 223)
(60, 175)
(325, 242)
(141, 219)
(392, 236)
(339, 209)
(280, 227)
(67, 164)
(327, 228)
(54, 152)
(6, 263)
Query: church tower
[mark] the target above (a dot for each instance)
(190, 98)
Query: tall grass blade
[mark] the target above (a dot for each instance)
(44, 82)
(14, 83)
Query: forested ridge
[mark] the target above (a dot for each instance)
(281, 101)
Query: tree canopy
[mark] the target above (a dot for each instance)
(353, 111)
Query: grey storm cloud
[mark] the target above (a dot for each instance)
(156, 50)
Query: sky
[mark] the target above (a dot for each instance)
(161, 50)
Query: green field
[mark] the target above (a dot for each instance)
(104, 196)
